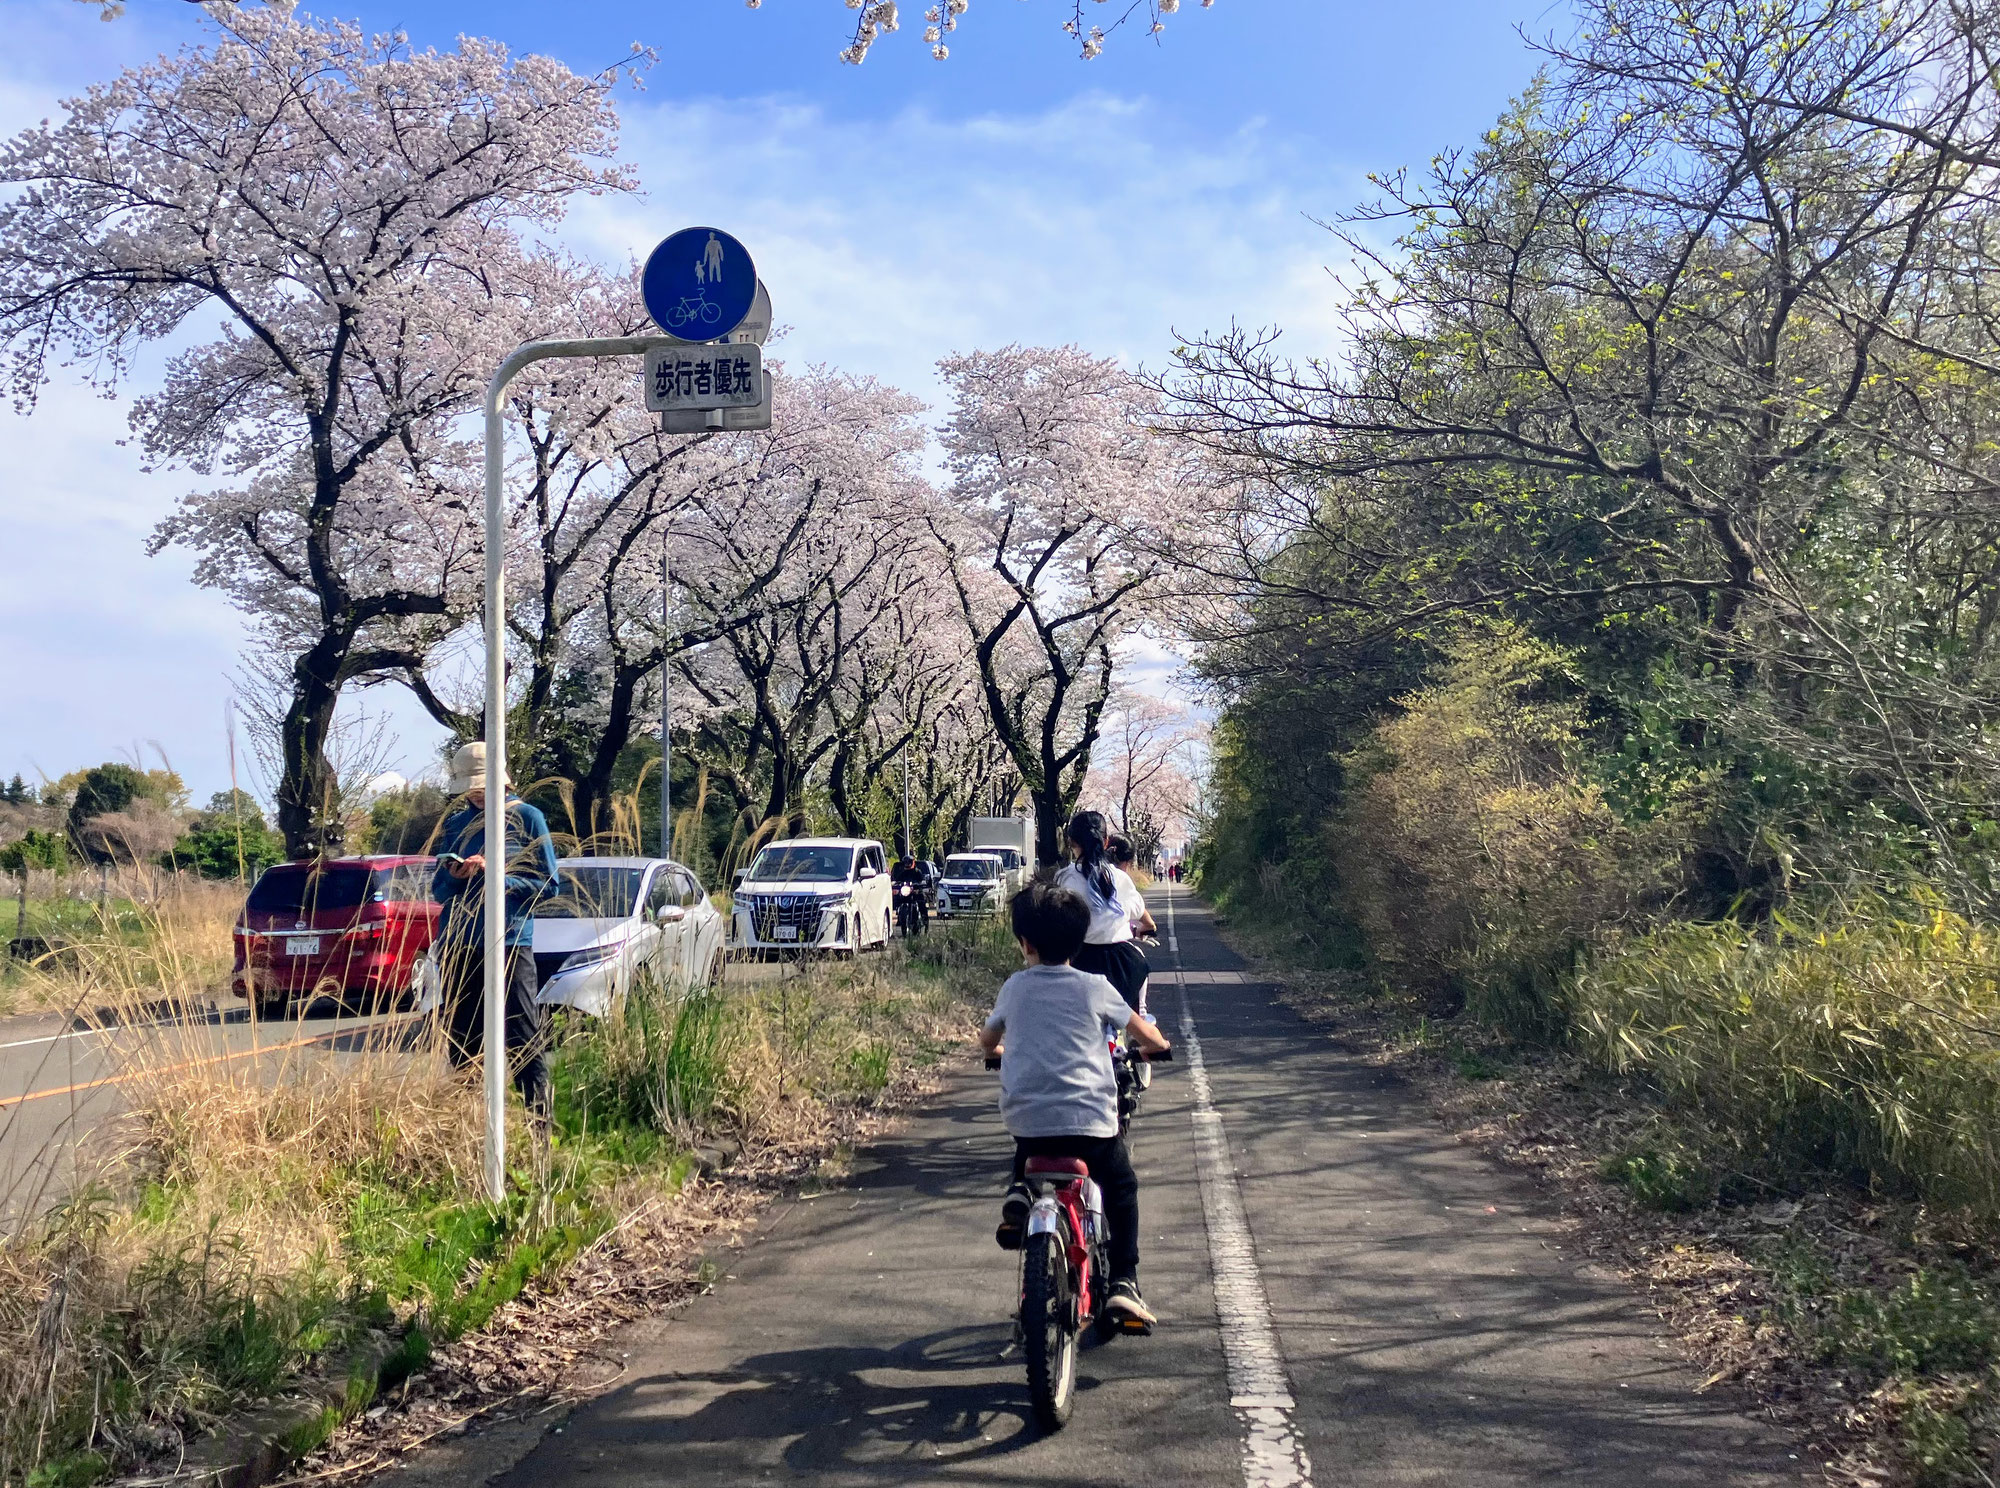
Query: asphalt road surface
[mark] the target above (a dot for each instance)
(1348, 1296)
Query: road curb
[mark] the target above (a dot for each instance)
(254, 1449)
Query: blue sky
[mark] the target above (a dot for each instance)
(899, 211)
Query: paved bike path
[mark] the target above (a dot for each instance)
(1432, 1329)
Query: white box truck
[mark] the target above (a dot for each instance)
(1012, 837)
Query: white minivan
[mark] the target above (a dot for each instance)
(814, 893)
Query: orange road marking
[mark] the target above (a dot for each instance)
(317, 1038)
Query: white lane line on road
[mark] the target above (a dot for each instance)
(1260, 1389)
(53, 1038)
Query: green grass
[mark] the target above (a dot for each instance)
(1928, 1342)
(1664, 1176)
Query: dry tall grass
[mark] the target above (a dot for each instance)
(244, 1215)
(168, 932)
(186, 1246)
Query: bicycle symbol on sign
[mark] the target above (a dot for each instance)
(693, 308)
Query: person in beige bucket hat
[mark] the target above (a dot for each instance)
(529, 861)
(468, 771)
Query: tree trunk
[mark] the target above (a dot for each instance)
(307, 804)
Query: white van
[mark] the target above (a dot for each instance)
(974, 883)
(814, 893)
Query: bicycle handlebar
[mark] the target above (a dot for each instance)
(1167, 1057)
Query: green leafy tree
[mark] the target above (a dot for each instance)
(102, 790)
(35, 849)
(228, 839)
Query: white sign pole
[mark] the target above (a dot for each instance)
(667, 713)
(494, 888)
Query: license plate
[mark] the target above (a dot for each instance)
(788, 932)
(301, 945)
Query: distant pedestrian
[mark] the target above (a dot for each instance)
(528, 858)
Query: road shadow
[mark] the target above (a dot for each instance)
(865, 1414)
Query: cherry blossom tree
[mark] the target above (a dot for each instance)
(594, 487)
(1056, 483)
(814, 531)
(1144, 768)
(341, 211)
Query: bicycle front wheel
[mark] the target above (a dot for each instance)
(1048, 1329)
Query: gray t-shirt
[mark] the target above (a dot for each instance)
(1055, 1073)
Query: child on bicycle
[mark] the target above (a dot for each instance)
(1058, 1092)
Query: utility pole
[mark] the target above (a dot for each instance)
(909, 850)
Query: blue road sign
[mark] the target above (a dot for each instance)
(699, 283)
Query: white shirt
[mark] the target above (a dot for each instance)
(1109, 923)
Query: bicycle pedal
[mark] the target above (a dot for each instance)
(1139, 1327)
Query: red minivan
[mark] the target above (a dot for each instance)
(350, 928)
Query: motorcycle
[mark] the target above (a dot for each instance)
(912, 918)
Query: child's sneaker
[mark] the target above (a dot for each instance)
(1127, 1310)
(1013, 1216)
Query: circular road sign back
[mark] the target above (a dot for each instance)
(699, 283)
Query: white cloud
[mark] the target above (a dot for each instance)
(889, 244)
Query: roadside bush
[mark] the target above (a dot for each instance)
(1867, 1042)
(35, 849)
(1475, 858)
(229, 839)
(658, 1061)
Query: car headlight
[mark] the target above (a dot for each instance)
(592, 956)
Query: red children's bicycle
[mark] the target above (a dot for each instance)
(1064, 1284)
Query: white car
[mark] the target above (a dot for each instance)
(974, 883)
(610, 918)
(814, 893)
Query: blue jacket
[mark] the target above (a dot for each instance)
(530, 865)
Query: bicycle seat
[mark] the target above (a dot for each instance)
(1056, 1167)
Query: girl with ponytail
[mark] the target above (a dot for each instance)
(1116, 909)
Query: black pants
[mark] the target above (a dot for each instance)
(1123, 965)
(464, 1015)
(1111, 1165)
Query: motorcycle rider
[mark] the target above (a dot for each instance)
(1057, 1090)
(906, 871)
